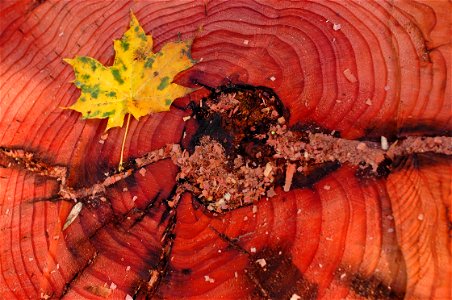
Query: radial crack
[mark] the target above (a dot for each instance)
(150, 286)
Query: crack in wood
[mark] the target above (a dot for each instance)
(232, 242)
(150, 286)
(326, 147)
(26, 160)
(67, 286)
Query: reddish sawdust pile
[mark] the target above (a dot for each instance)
(255, 147)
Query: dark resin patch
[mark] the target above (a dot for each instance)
(186, 271)
(316, 174)
(279, 278)
(372, 288)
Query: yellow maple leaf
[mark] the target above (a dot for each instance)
(138, 83)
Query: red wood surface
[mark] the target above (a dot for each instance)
(358, 239)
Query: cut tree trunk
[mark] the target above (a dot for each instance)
(361, 68)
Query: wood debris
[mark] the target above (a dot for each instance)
(291, 168)
(261, 262)
(295, 297)
(384, 143)
(350, 76)
(73, 214)
(219, 185)
(98, 290)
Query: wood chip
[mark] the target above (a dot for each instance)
(154, 278)
(295, 297)
(75, 211)
(291, 168)
(384, 143)
(268, 169)
(369, 101)
(281, 120)
(98, 290)
(45, 296)
(350, 76)
(336, 27)
(361, 146)
(271, 193)
(261, 262)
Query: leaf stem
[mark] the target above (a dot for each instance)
(120, 167)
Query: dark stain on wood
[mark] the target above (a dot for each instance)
(307, 180)
(393, 132)
(235, 132)
(279, 278)
(373, 288)
(186, 271)
(35, 4)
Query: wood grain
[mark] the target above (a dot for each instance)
(345, 237)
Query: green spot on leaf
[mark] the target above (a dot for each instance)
(83, 59)
(168, 101)
(117, 76)
(107, 114)
(85, 76)
(93, 66)
(91, 114)
(92, 90)
(124, 45)
(111, 94)
(142, 36)
(163, 83)
(149, 62)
